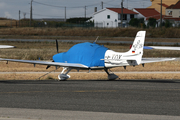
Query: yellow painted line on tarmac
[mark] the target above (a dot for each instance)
(97, 91)
(172, 89)
(81, 91)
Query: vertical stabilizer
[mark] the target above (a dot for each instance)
(138, 43)
(136, 51)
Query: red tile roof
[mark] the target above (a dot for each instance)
(171, 18)
(176, 6)
(164, 5)
(125, 11)
(165, 17)
(147, 12)
(170, 7)
(157, 17)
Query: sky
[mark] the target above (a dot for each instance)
(56, 8)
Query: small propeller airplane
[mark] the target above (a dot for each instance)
(91, 56)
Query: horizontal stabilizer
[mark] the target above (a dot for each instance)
(161, 48)
(6, 46)
(151, 60)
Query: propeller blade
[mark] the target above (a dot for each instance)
(57, 46)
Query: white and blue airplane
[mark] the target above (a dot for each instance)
(91, 56)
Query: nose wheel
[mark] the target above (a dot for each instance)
(64, 76)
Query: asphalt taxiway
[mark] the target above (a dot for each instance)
(87, 99)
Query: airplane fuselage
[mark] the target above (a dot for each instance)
(95, 56)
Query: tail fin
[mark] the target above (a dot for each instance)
(138, 43)
(136, 52)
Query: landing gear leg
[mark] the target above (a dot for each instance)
(111, 76)
(64, 76)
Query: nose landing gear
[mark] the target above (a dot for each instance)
(64, 76)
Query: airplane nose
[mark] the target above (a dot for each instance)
(58, 57)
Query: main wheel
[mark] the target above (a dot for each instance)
(63, 76)
(112, 76)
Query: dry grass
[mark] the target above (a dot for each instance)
(45, 50)
(105, 32)
(33, 51)
(104, 38)
(109, 34)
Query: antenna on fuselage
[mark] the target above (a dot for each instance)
(96, 39)
(57, 46)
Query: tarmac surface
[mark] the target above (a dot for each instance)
(90, 99)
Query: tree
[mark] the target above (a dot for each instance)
(77, 20)
(168, 24)
(152, 22)
(137, 22)
(134, 22)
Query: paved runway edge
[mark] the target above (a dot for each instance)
(39, 114)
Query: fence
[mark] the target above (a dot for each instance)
(54, 24)
(9, 23)
(110, 24)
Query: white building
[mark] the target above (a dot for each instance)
(173, 10)
(111, 17)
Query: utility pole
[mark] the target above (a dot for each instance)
(161, 16)
(24, 15)
(122, 14)
(30, 14)
(102, 4)
(127, 4)
(85, 11)
(19, 17)
(65, 15)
